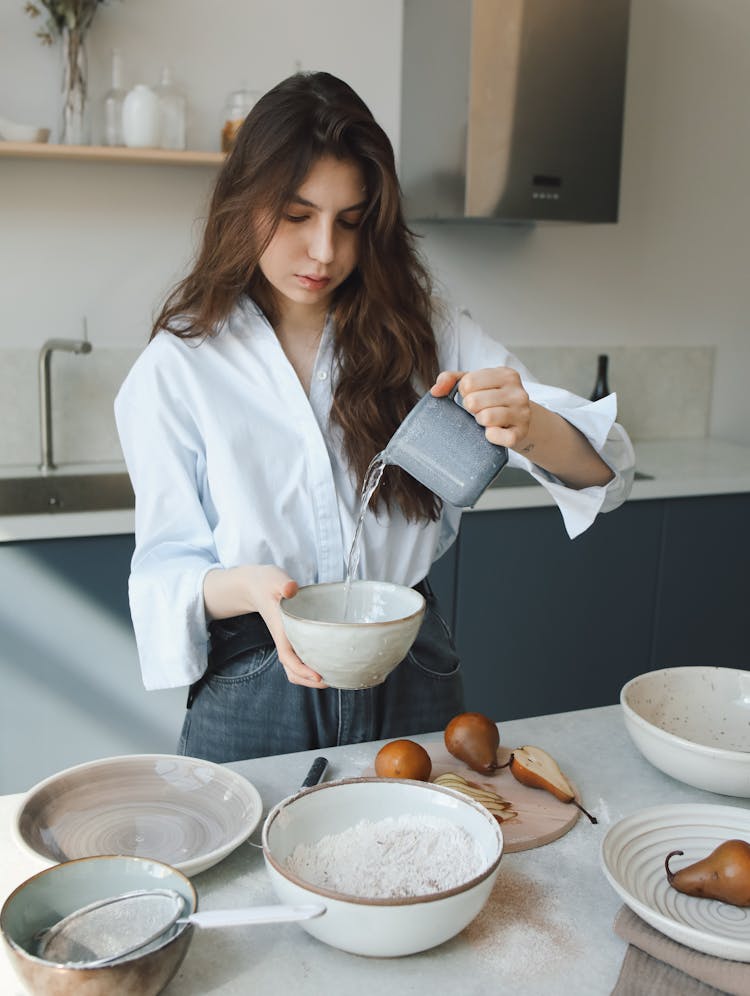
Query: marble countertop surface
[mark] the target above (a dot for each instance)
(546, 927)
(677, 467)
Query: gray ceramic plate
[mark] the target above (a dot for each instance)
(185, 812)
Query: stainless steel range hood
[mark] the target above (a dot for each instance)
(512, 110)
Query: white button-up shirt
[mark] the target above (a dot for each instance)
(232, 463)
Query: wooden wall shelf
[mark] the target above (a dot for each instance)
(103, 153)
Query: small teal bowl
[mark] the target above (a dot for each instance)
(47, 897)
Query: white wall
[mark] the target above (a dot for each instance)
(107, 240)
(674, 270)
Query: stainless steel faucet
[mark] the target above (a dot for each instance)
(45, 395)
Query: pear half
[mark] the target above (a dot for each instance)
(534, 767)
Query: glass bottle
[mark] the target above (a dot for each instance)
(172, 112)
(113, 101)
(601, 387)
(238, 106)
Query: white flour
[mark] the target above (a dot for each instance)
(391, 858)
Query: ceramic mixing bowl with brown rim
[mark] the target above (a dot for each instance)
(385, 926)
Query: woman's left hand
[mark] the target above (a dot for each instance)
(496, 398)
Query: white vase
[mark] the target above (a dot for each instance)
(140, 118)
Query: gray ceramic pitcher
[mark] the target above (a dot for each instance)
(441, 445)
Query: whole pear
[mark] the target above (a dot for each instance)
(473, 739)
(723, 875)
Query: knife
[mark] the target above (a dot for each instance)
(316, 772)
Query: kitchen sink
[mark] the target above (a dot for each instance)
(65, 493)
(514, 477)
(104, 492)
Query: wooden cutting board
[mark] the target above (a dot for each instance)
(541, 817)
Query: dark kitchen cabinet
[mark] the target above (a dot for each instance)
(71, 681)
(95, 567)
(702, 608)
(442, 577)
(545, 624)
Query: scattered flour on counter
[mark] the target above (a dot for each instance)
(602, 812)
(522, 931)
(391, 858)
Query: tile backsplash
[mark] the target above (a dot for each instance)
(663, 392)
(83, 389)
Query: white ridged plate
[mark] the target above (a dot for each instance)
(632, 857)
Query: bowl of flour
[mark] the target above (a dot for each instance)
(401, 866)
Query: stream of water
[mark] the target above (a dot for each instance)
(371, 481)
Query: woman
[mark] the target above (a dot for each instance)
(277, 369)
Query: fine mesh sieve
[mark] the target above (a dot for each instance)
(111, 929)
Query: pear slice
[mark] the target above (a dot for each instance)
(499, 807)
(534, 767)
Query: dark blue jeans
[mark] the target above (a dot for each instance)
(246, 707)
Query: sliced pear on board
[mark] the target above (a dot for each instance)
(534, 767)
(500, 808)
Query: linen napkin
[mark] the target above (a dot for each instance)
(655, 965)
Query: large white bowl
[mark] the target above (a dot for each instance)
(693, 723)
(362, 648)
(379, 927)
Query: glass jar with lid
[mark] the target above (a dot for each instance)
(238, 106)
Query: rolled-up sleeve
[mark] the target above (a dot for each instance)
(174, 546)
(596, 420)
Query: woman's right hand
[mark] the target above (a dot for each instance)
(259, 588)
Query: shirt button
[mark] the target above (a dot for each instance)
(322, 375)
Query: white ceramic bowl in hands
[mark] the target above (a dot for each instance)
(361, 649)
(379, 927)
(693, 723)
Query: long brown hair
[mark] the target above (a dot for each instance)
(382, 313)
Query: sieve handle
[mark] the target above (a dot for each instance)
(254, 914)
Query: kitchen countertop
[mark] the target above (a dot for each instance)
(546, 926)
(679, 468)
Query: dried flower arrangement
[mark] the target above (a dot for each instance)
(70, 15)
(69, 20)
